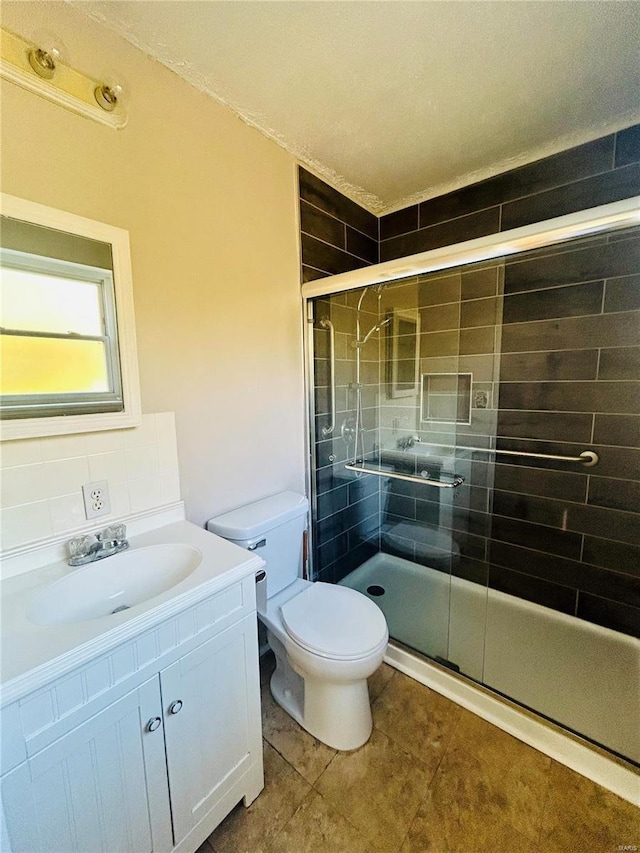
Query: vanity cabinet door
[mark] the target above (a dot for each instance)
(102, 787)
(211, 701)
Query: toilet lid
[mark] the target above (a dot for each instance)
(334, 621)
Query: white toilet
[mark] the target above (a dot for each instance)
(327, 639)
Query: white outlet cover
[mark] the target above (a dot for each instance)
(96, 499)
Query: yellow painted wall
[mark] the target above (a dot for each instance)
(210, 205)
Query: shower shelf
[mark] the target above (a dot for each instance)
(412, 478)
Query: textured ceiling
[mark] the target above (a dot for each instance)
(394, 101)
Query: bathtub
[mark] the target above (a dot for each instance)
(580, 675)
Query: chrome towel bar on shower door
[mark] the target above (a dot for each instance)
(412, 478)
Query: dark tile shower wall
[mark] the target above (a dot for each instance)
(569, 537)
(564, 538)
(337, 235)
(599, 172)
(347, 519)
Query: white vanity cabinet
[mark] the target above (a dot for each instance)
(102, 786)
(144, 748)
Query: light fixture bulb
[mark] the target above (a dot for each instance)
(43, 62)
(107, 96)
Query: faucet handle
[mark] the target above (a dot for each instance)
(116, 533)
(80, 546)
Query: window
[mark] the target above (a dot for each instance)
(58, 338)
(67, 343)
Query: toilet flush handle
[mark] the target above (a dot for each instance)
(259, 544)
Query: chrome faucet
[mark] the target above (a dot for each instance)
(105, 543)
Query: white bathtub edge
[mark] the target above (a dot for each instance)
(536, 733)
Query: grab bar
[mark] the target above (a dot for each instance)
(412, 478)
(327, 324)
(588, 458)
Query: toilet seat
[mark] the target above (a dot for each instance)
(334, 622)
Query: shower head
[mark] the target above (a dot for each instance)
(371, 331)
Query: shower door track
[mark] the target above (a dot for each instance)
(584, 223)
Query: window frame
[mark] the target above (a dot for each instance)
(117, 291)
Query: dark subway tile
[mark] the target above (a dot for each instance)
(362, 488)
(320, 194)
(333, 501)
(549, 366)
(362, 246)
(588, 159)
(570, 301)
(477, 340)
(434, 344)
(475, 571)
(538, 510)
(533, 589)
(583, 576)
(311, 274)
(620, 363)
(438, 318)
(611, 524)
(574, 518)
(319, 224)
(399, 222)
(401, 506)
(545, 426)
(331, 526)
(321, 371)
(333, 550)
(619, 556)
(580, 195)
(615, 494)
(610, 614)
(322, 256)
(536, 481)
(572, 266)
(619, 430)
(622, 294)
(628, 146)
(551, 540)
(480, 312)
(469, 545)
(599, 396)
(439, 291)
(479, 283)
(573, 333)
(446, 233)
(618, 462)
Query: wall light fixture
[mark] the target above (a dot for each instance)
(40, 70)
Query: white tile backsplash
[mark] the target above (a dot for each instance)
(42, 479)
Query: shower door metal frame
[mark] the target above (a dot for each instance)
(561, 229)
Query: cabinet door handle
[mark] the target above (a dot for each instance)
(175, 707)
(153, 724)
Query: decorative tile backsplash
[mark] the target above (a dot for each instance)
(42, 479)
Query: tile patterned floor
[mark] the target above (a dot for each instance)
(433, 778)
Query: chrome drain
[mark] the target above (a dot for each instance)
(119, 609)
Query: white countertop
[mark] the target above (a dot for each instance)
(32, 655)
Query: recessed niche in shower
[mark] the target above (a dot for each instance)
(446, 398)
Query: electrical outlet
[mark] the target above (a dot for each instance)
(96, 499)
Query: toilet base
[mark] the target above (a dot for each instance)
(336, 712)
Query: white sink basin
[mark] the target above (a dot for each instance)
(113, 584)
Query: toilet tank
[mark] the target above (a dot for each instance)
(273, 528)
